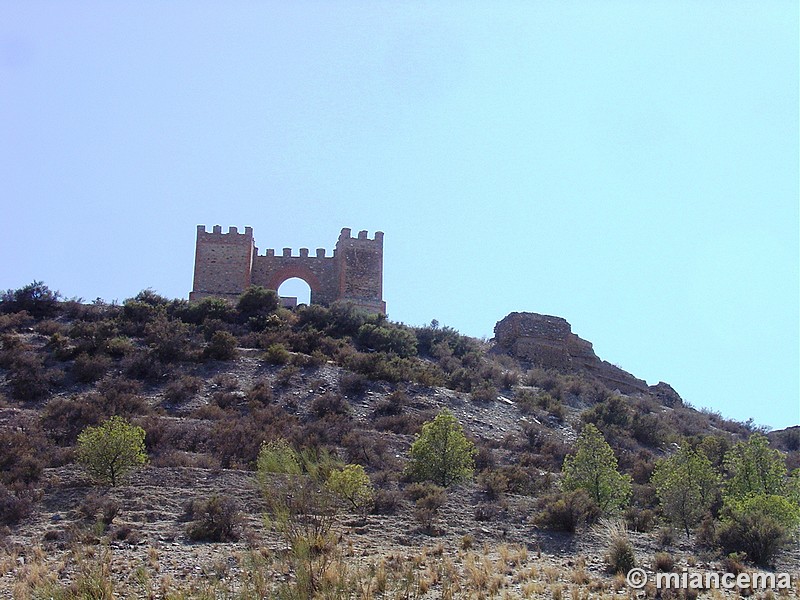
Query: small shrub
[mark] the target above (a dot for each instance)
(666, 537)
(567, 511)
(664, 562)
(619, 557)
(181, 390)
(98, 508)
(756, 535)
(493, 483)
(640, 519)
(329, 404)
(260, 393)
(28, 377)
(386, 502)
(213, 520)
(13, 506)
(221, 347)
(427, 506)
(352, 383)
(485, 392)
(88, 368)
(286, 374)
(352, 484)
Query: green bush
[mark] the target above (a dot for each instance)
(352, 484)
(221, 347)
(441, 452)
(257, 302)
(277, 354)
(112, 450)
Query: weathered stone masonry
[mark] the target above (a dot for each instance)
(226, 264)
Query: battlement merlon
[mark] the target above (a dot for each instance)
(231, 237)
(362, 236)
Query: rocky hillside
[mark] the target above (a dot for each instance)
(210, 382)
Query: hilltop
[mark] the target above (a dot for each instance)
(209, 382)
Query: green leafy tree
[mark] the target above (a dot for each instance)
(593, 468)
(112, 450)
(761, 510)
(442, 453)
(754, 468)
(352, 484)
(686, 484)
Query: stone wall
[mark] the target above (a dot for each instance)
(223, 262)
(548, 342)
(227, 263)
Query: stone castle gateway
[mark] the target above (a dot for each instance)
(226, 264)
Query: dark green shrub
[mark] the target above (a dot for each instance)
(207, 309)
(387, 338)
(168, 340)
(36, 299)
(213, 520)
(255, 302)
(567, 511)
(277, 354)
(221, 347)
(759, 536)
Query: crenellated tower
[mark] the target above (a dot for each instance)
(227, 263)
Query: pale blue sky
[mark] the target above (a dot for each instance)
(630, 166)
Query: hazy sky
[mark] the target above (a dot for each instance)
(630, 166)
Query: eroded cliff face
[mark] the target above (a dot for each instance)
(548, 342)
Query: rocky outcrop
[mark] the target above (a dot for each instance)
(548, 342)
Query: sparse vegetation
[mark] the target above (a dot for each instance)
(330, 411)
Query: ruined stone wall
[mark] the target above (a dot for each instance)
(223, 262)
(548, 342)
(227, 263)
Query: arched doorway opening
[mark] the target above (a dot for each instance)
(294, 291)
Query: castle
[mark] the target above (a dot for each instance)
(226, 264)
